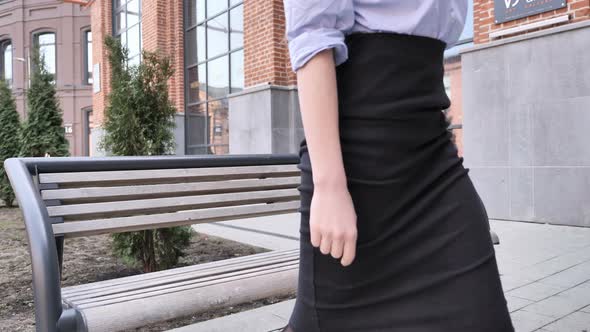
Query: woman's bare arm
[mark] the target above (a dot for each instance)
(332, 215)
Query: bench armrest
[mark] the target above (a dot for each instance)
(42, 248)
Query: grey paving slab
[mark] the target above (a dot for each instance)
(284, 224)
(525, 321)
(559, 263)
(575, 322)
(562, 304)
(515, 303)
(536, 291)
(273, 232)
(545, 272)
(264, 319)
(511, 282)
(573, 276)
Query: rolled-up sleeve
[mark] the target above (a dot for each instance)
(315, 25)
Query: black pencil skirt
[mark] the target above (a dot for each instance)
(425, 260)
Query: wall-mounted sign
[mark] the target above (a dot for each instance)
(96, 78)
(68, 129)
(508, 10)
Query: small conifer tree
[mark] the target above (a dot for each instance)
(42, 132)
(139, 121)
(9, 139)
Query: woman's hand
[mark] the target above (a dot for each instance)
(333, 222)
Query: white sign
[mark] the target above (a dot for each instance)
(96, 78)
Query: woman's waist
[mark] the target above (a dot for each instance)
(394, 71)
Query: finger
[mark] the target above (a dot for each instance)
(349, 252)
(326, 244)
(337, 247)
(315, 237)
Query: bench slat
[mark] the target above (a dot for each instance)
(140, 311)
(151, 289)
(209, 281)
(169, 175)
(91, 194)
(133, 223)
(110, 209)
(225, 264)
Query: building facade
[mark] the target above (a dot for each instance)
(63, 35)
(452, 79)
(526, 103)
(231, 64)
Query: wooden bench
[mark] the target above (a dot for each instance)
(71, 197)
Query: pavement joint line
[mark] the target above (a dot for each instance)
(572, 251)
(537, 222)
(259, 231)
(549, 323)
(554, 321)
(548, 297)
(547, 276)
(569, 268)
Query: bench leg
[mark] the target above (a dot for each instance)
(495, 238)
(59, 244)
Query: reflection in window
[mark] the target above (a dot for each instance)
(214, 57)
(6, 58)
(88, 57)
(447, 84)
(467, 34)
(45, 41)
(127, 27)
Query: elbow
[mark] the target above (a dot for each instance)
(309, 44)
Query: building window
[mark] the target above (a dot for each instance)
(88, 123)
(467, 33)
(87, 57)
(45, 41)
(447, 84)
(127, 27)
(6, 59)
(214, 59)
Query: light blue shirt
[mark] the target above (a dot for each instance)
(315, 25)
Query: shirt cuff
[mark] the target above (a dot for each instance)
(303, 47)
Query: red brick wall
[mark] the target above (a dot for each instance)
(483, 11)
(101, 18)
(266, 56)
(162, 30)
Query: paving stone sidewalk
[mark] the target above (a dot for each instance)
(545, 271)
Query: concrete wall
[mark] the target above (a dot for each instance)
(179, 134)
(526, 103)
(264, 119)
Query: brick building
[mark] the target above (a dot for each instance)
(232, 70)
(62, 32)
(526, 104)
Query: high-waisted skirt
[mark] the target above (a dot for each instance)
(425, 261)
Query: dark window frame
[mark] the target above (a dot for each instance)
(125, 31)
(4, 43)
(86, 67)
(194, 66)
(86, 111)
(35, 43)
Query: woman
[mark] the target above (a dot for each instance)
(394, 236)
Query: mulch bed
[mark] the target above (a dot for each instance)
(90, 259)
